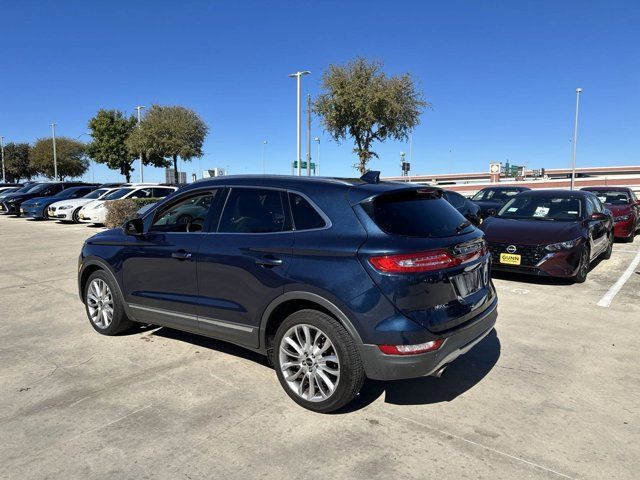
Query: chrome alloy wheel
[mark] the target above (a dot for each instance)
(309, 363)
(100, 303)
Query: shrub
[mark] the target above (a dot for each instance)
(119, 211)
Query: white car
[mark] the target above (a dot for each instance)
(96, 211)
(68, 210)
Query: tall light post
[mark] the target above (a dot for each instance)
(264, 148)
(298, 75)
(317, 140)
(138, 108)
(55, 157)
(575, 139)
(4, 178)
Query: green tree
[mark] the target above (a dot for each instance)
(16, 161)
(70, 154)
(360, 101)
(166, 133)
(110, 130)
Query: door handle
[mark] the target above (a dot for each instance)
(181, 255)
(268, 261)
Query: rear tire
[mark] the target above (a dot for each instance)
(583, 266)
(104, 305)
(317, 361)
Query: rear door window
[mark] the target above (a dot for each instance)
(416, 213)
(253, 210)
(305, 216)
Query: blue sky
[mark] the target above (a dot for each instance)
(501, 75)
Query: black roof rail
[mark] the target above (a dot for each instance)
(372, 176)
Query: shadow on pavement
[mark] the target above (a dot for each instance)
(213, 344)
(462, 375)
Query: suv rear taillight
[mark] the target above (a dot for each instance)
(422, 261)
(411, 349)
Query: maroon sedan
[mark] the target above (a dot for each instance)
(625, 208)
(550, 232)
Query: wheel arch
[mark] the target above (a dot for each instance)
(283, 306)
(90, 266)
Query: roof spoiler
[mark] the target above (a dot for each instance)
(372, 176)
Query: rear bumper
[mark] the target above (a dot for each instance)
(379, 366)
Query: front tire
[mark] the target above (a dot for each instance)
(317, 361)
(75, 216)
(607, 253)
(583, 266)
(104, 305)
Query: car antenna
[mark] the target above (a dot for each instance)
(372, 176)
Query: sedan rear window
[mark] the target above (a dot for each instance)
(416, 213)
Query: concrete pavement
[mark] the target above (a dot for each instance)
(553, 393)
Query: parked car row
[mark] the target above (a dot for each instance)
(333, 280)
(72, 201)
(556, 232)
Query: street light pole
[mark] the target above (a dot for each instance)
(575, 139)
(317, 139)
(55, 157)
(138, 108)
(4, 178)
(264, 148)
(298, 76)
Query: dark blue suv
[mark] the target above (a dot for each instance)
(333, 280)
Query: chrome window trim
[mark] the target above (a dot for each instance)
(314, 205)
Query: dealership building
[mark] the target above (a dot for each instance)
(469, 183)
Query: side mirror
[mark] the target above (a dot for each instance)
(491, 212)
(598, 216)
(134, 227)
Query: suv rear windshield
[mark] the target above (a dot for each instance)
(416, 213)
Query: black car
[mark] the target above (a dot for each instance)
(491, 199)
(334, 280)
(11, 204)
(466, 207)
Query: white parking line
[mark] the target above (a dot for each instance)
(606, 300)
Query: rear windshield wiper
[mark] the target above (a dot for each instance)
(462, 226)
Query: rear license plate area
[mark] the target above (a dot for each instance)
(472, 280)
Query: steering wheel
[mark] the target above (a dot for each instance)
(195, 225)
